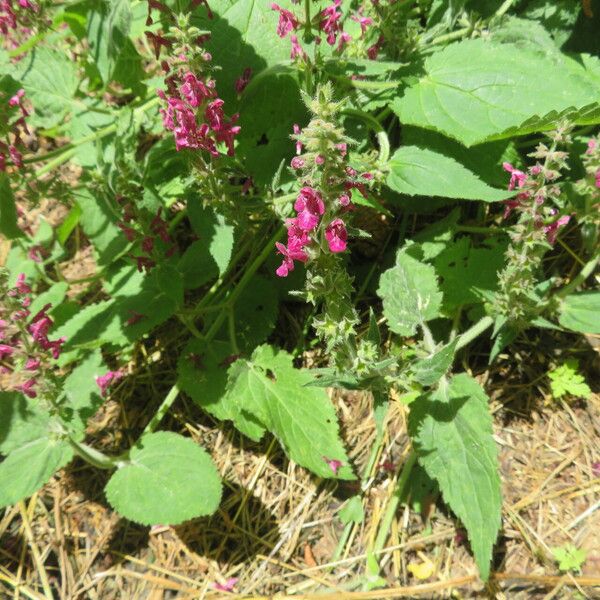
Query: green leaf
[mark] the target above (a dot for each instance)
(22, 420)
(476, 91)
(579, 312)
(410, 294)
(452, 432)
(269, 388)
(202, 374)
(98, 221)
(569, 558)
(168, 479)
(352, 511)
(423, 172)
(50, 80)
(82, 391)
(469, 274)
(567, 380)
(53, 295)
(8, 210)
(27, 468)
(431, 369)
(214, 231)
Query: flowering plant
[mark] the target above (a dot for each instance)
(250, 188)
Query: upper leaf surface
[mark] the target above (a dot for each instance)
(419, 171)
(410, 294)
(168, 479)
(452, 435)
(301, 418)
(579, 312)
(476, 91)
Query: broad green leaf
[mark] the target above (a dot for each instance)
(410, 294)
(168, 479)
(202, 374)
(302, 418)
(82, 391)
(352, 511)
(197, 265)
(8, 210)
(430, 370)
(566, 379)
(50, 80)
(469, 274)
(214, 231)
(436, 237)
(22, 420)
(98, 221)
(267, 121)
(89, 117)
(476, 91)
(558, 17)
(53, 295)
(27, 468)
(580, 312)
(452, 434)
(423, 172)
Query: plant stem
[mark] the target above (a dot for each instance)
(162, 410)
(503, 8)
(94, 457)
(585, 272)
(468, 336)
(392, 506)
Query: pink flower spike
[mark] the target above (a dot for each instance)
(336, 235)
(334, 464)
(330, 21)
(287, 21)
(227, 586)
(310, 207)
(107, 380)
(517, 178)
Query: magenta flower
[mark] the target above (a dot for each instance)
(242, 82)
(310, 207)
(287, 21)
(336, 235)
(32, 364)
(597, 177)
(6, 351)
(16, 99)
(297, 162)
(364, 22)
(345, 39)
(195, 91)
(290, 254)
(591, 146)
(297, 131)
(330, 21)
(27, 388)
(107, 380)
(334, 464)
(21, 286)
(517, 178)
(227, 586)
(551, 230)
(297, 51)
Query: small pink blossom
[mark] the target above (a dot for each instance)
(287, 21)
(551, 230)
(108, 380)
(16, 99)
(35, 253)
(597, 178)
(319, 159)
(297, 162)
(32, 364)
(330, 21)
(195, 91)
(373, 51)
(310, 207)
(591, 146)
(364, 22)
(517, 178)
(297, 51)
(242, 81)
(336, 235)
(27, 388)
(345, 39)
(290, 254)
(297, 132)
(343, 148)
(6, 351)
(227, 586)
(334, 464)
